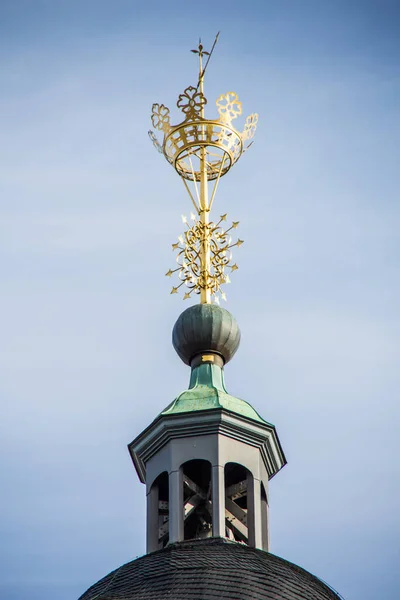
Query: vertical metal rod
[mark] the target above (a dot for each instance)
(194, 179)
(205, 292)
(190, 194)
(217, 181)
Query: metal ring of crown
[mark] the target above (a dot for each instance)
(181, 142)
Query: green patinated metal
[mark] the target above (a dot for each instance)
(207, 391)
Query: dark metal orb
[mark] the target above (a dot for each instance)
(205, 328)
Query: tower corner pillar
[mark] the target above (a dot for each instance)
(152, 519)
(176, 531)
(218, 501)
(254, 518)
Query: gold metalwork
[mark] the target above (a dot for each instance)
(202, 151)
(160, 117)
(194, 273)
(191, 102)
(229, 106)
(207, 357)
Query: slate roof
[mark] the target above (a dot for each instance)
(210, 569)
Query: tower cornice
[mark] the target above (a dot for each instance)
(207, 422)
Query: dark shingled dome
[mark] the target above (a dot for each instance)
(210, 569)
(205, 328)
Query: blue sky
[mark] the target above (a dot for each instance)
(88, 210)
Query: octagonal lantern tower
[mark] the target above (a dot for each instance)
(207, 459)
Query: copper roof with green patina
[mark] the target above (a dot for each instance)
(206, 392)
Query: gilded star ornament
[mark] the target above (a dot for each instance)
(192, 273)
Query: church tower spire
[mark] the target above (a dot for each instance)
(202, 151)
(207, 458)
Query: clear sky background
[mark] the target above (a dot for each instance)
(88, 211)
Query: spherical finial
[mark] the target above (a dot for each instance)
(205, 328)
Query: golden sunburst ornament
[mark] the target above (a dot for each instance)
(192, 272)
